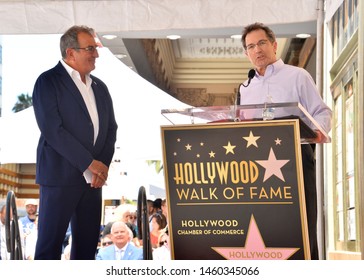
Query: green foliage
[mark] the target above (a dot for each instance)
(157, 163)
(24, 101)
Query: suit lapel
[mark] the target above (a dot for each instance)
(72, 88)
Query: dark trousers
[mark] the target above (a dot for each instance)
(309, 176)
(58, 206)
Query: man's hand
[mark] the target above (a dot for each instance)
(99, 173)
(320, 138)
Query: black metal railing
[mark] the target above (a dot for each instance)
(12, 233)
(143, 224)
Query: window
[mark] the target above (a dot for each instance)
(344, 26)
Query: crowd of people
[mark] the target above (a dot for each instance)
(118, 238)
(121, 233)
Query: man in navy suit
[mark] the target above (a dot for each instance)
(123, 248)
(75, 115)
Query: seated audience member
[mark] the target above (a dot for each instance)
(163, 251)
(107, 229)
(5, 255)
(123, 248)
(165, 211)
(30, 240)
(133, 219)
(27, 223)
(158, 223)
(123, 213)
(157, 205)
(106, 240)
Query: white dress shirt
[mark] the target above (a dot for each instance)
(4, 253)
(87, 95)
(89, 98)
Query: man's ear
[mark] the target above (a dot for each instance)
(275, 46)
(70, 53)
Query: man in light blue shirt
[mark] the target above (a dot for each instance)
(122, 247)
(277, 82)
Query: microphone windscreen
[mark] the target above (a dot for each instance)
(251, 73)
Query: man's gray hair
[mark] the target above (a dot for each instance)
(70, 38)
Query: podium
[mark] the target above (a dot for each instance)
(234, 181)
(245, 113)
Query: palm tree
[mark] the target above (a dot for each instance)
(158, 165)
(24, 101)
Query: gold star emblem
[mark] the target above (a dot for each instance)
(251, 140)
(229, 148)
(212, 154)
(188, 147)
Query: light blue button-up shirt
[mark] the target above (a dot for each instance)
(286, 83)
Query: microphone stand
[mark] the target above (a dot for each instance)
(237, 103)
(251, 75)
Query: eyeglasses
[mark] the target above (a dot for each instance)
(163, 242)
(106, 243)
(132, 217)
(90, 49)
(260, 44)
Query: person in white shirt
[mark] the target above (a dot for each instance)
(5, 255)
(75, 115)
(163, 251)
(278, 82)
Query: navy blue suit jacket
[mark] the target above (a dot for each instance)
(65, 148)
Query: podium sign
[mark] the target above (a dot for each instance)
(235, 191)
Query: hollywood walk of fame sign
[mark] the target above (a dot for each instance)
(235, 191)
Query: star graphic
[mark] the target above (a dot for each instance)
(251, 140)
(229, 148)
(278, 141)
(188, 147)
(255, 248)
(272, 166)
(178, 139)
(212, 154)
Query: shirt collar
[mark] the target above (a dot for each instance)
(75, 74)
(121, 249)
(272, 68)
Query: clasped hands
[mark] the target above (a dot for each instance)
(99, 173)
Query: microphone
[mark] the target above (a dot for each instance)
(251, 75)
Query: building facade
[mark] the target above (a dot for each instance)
(343, 86)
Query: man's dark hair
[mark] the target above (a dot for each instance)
(257, 26)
